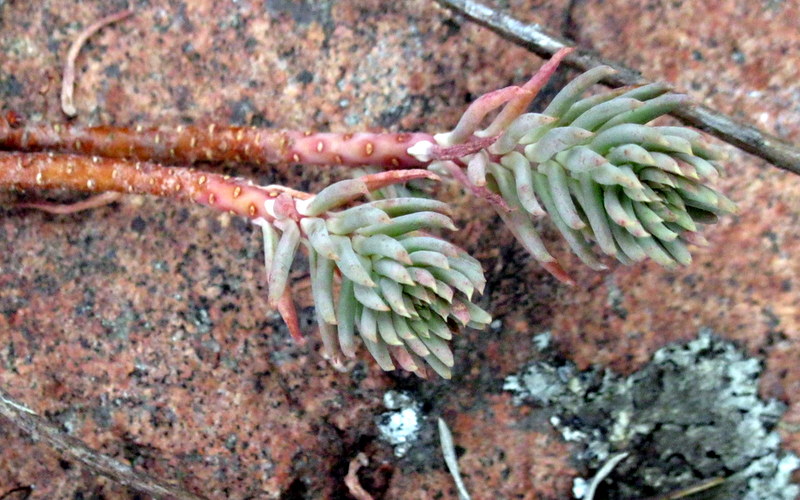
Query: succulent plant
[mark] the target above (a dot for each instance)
(606, 178)
(402, 290)
(601, 173)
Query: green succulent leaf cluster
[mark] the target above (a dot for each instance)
(379, 275)
(606, 178)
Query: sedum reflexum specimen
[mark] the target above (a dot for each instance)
(605, 177)
(402, 290)
(609, 182)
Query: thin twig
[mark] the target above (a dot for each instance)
(449, 452)
(604, 471)
(538, 40)
(41, 430)
(691, 490)
(68, 77)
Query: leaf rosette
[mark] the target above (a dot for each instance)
(606, 178)
(378, 274)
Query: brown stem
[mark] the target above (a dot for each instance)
(539, 41)
(217, 144)
(41, 430)
(21, 171)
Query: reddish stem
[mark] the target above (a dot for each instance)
(492, 198)
(351, 479)
(98, 175)
(218, 144)
(96, 201)
(103, 175)
(480, 107)
(458, 151)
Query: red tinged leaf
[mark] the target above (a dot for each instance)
(560, 274)
(520, 103)
(288, 312)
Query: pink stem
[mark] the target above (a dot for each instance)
(96, 201)
(492, 198)
(229, 194)
(458, 151)
(218, 144)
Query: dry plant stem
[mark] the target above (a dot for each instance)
(41, 430)
(692, 490)
(351, 479)
(23, 491)
(95, 201)
(68, 76)
(538, 40)
(450, 458)
(218, 144)
(604, 471)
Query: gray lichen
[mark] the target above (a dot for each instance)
(691, 414)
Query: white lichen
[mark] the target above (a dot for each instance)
(400, 427)
(697, 408)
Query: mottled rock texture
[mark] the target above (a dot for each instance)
(143, 328)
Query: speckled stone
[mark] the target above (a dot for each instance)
(143, 328)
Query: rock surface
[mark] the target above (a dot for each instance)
(143, 328)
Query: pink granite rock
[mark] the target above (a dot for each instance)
(143, 328)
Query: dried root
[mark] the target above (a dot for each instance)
(68, 76)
